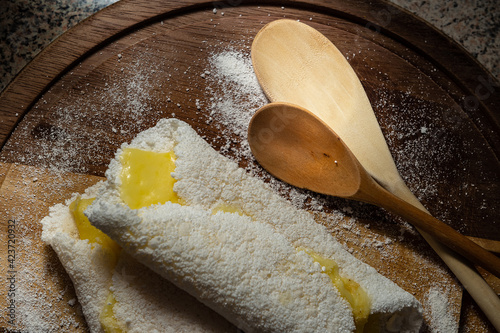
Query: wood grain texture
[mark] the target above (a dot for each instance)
(37, 282)
(120, 71)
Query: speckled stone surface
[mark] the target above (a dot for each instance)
(474, 24)
(27, 26)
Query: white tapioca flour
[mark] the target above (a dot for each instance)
(438, 308)
(235, 94)
(249, 267)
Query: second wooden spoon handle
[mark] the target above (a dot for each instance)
(487, 244)
(482, 293)
(438, 229)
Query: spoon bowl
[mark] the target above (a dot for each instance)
(297, 147)
(307, 156)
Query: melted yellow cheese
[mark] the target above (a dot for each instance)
(95, 236)
(226, 208)
(350, 290)
(146, 178)
(107, 318)
(88, 231)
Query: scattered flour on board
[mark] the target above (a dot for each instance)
(237, 96)
(438, 310)
(37, 289)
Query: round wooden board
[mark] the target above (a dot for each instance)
(120, 71)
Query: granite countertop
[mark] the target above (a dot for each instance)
(27, 26)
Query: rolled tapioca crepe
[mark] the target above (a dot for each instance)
(116, 292)
(190, 214)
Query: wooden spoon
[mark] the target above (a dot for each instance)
(295, 63)
(297, 147)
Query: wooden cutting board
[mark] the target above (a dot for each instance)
(135, 62)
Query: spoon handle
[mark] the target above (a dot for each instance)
(439, 230)
(482, 293)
